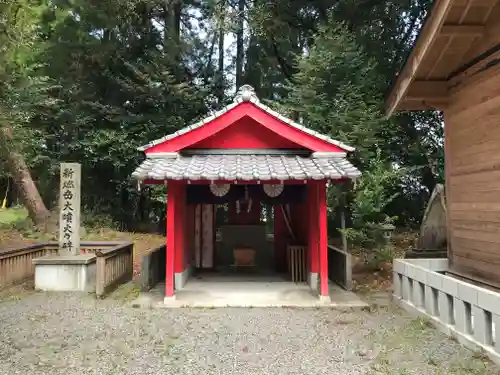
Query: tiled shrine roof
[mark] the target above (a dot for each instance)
(245, 167)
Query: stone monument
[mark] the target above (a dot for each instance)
(69, 214)
(68, 270)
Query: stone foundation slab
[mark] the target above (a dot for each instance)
(66, 273)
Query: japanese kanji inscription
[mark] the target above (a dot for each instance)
(69, 216)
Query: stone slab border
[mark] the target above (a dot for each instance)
(462, 310)
(66, 273)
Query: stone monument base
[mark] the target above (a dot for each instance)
(66, 273)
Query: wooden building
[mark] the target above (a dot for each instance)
(454, 67)
(238, 160)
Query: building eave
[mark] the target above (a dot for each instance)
(425, 39)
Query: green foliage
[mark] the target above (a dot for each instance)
(158, 193)
(19, 87)
(14, 218)
(90, 81)
(384, 254)
(113, 90)
(18, 34)
(335, 91)
(371, 197)
(93, 219)
(371, 193)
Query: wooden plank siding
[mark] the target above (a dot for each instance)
(490, 38)
(455, 68)
(472, 128)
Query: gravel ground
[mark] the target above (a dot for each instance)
(75, 334)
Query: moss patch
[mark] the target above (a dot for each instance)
(11, 216)
(125, 292)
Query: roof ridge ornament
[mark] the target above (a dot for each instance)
(246, 93)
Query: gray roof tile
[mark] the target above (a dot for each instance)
(245, 167)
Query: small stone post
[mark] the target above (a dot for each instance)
(69, 214)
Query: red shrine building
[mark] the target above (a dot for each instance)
(246, 163)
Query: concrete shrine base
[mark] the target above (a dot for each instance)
(66, 273)
(246, 291)
(313, 280)
(181, 278)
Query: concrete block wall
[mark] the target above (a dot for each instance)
(465, 311)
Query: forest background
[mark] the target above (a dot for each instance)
(90, 81)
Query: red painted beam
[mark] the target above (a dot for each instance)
(291, 133)
(323, 240)
(199, 134)
(239, 182)
(153, 182)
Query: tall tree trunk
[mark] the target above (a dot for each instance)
(21, 175)
(220, 69)
(172, 30)
(177, 22)
(253, 72)
(240, 53)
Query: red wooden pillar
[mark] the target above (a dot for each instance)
(172, 197)
(323, 241)
(180, 232)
